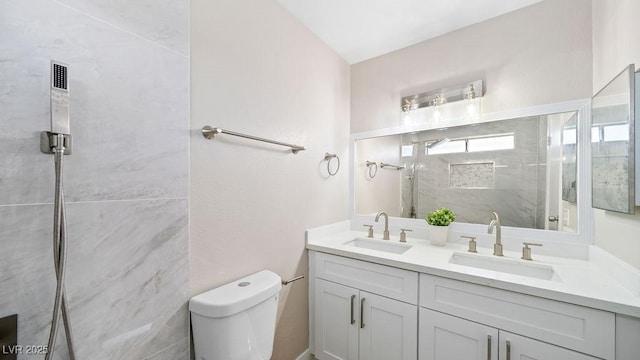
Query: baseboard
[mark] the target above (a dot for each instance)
(306, 355)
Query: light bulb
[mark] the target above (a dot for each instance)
(437, 103)
(437, 114)
(406, 118)
(472, 102)
(472, 109)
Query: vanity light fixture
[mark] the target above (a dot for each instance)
(408, 105)
(437, 103)
(473, 101)
(471, 92)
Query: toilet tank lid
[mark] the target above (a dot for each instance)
(236, 296)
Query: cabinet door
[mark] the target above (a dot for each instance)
(336, 321)
(388, 329)
(445, 337)
(516, 347)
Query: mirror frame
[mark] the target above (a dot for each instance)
(584, 231)
(632, 179)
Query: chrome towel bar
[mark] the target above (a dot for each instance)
(210, 132)
(397, 167)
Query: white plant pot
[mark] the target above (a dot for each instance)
(438, 234)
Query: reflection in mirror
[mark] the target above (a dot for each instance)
(380, 188)
(524, 169)
(569, 160)
(612, 164)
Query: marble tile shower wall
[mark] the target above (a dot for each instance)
(515, 190)
(126, 183)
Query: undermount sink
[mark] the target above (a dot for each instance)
(510, 266)
(379, 245)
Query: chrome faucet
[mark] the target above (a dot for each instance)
(385, 234)
(495, 223)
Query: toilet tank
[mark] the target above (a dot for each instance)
(236, 321)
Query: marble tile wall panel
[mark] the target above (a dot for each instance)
(475, 206)
(515, 193)
(154, 20)
(127, 284)
(610, 174)
(426, 192)
(610, 182)
(179, 350)
(128, 103)
(128, 260)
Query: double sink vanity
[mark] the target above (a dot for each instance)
(384, 299)
(389, 294)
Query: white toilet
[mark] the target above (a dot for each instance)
(236, 321)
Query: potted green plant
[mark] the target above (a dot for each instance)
(438, 222)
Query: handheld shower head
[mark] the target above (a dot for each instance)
(59, 98)
(59, 137)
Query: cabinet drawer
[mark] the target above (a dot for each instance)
(575, 327)
(378, 279)
(521, 347)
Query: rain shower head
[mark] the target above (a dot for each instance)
(59, 98)
(437, 143)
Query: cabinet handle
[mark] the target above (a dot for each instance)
(508, 350)
(362, 313)
(488, 347)
(353, 298)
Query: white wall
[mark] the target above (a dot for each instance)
(615, 45)
(537, 55)
(257, 70)
(383, 191)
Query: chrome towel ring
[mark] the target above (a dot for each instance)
(373, 168)
(328, 157)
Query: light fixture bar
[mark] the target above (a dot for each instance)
(450, 94)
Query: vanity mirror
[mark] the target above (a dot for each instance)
(613, 165)
(523, 167)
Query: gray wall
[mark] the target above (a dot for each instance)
(126, 182)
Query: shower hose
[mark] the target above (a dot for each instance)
(59, 256)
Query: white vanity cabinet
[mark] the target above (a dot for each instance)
(514, 346)
(446, 337)
(353, 324)
(360, 310)
(454, 312)
(336, 321)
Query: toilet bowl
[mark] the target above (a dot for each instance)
(236, 321)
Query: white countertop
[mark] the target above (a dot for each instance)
(583, 282)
